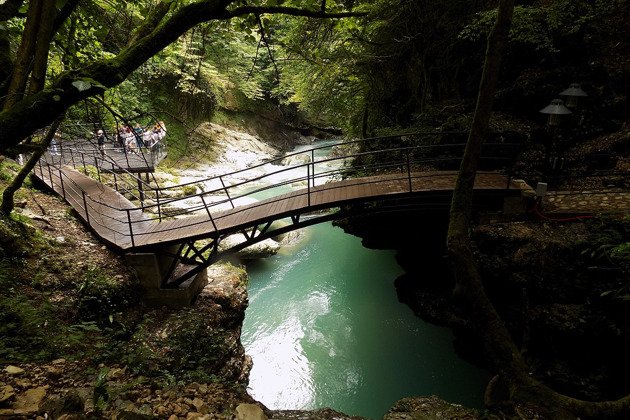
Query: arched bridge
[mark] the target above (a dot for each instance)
(183, 232)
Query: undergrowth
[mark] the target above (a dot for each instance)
(609, 247)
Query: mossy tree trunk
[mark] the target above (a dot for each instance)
(523, 391)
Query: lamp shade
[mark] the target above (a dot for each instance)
(556, 107)
(573, 93)
(554, 110)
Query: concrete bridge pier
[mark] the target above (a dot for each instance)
(152, 268)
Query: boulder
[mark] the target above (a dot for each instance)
(296, 160)
(249, 412)
(70, 403)
(236, 150)
(430, 408)
(6, 392)
(14, 370)
(29, 402)
(259, 250)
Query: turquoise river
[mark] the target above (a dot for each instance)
(325, 329)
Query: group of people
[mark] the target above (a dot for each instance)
(132, 140)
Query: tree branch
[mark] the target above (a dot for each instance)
(64, 14)
(40, 109)
(291, 11)
(10, 9)
(9, 192)
(151, 22)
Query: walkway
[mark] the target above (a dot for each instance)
(118, 222)
(83, 152)
(586, 202)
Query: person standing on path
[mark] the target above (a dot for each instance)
(100, 139)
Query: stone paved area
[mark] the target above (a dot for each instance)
(585, 202)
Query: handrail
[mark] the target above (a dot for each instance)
(402, 159)
(101, 168)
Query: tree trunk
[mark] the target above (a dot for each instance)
(9, 192)
(8, 10)
(24, 54)
(42, 47)
(468, 282)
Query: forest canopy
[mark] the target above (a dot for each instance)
(364, 66)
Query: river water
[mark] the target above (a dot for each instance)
(325, 329)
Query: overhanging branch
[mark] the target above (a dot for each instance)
(291, 11)
(159, 31)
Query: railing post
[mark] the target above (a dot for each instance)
(140, 191)
(409, 171)
(313, 163)
(98, 169)
(203, 200)
(226, 191)
(87, 213)
(130, 227)
(159, 206)
(308, 184)
(52, 184)
(63, 189)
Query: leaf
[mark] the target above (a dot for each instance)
(82, 85)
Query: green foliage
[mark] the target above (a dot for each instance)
(24, 331)
(8, 170)
(609, 246)
(570, 16)
(528, 26)
(378, 71)
(610, 241)
(17, 238)
(190, 347)
(189, 190)
(320, 74)
(195, 347)
(100, 395)
(540, 25)
(103, 394)
(102, 298)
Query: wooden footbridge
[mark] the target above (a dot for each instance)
(180, 235)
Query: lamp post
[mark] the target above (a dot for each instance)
(555, 110)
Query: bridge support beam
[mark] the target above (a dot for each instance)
(151, 268)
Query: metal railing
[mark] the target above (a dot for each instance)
(401, 157)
